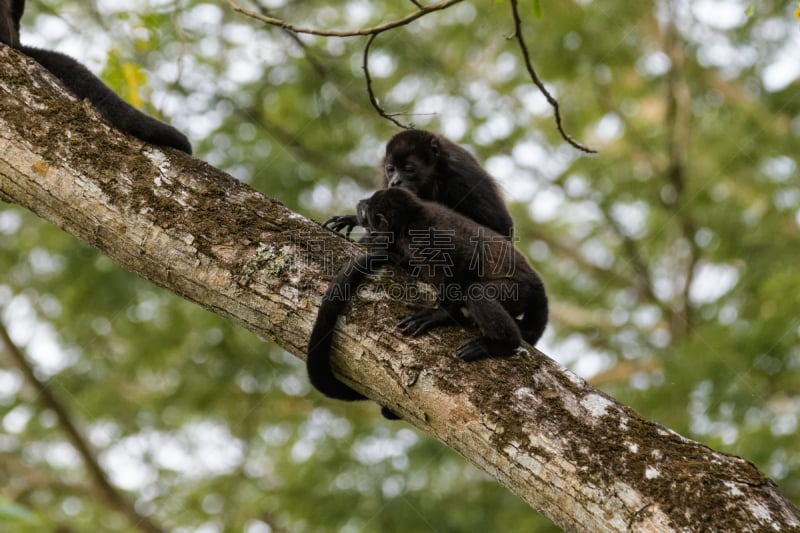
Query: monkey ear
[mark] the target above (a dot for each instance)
(435, 147)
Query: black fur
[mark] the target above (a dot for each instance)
(10, 13)
(85, 85)
(437, 169)
(472, 266)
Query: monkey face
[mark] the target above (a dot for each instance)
(410, 163)
(410, 173)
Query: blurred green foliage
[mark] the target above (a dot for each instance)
(671, 257)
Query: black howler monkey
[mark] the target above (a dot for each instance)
(435, 168)
(83, 84)
(470, 265)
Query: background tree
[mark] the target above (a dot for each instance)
(663, 248)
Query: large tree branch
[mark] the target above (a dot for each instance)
(581, 458)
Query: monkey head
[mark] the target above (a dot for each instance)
(411, 162)
(389, 210)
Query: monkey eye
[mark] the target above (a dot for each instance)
(410, 167)
(390, 169)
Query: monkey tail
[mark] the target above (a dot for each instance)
(534, 318)
(341, 289)
(85, 85)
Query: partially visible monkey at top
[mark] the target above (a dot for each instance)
(85, 85)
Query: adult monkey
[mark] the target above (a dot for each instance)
(479, 266)
(85, 85)
(436, 169)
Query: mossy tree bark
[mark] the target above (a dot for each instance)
(572, 452)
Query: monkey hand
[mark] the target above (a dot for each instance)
(341, 222)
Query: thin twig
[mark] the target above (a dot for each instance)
(79, 442)
(372, 99)
(372, 32)
(345, 33)
(552, 101)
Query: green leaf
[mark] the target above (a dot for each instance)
(536, 9)
(750, 10)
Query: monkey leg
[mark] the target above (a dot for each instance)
(500, 335)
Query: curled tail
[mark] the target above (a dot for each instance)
(534, 318)
(83, 84)
(340, 291)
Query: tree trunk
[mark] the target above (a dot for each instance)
(586, 461)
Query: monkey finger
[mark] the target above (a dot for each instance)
(420, 322)
(472, 350)
(409, 326)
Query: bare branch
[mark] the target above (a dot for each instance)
(372, 99)
(79, 442)
(345, 33)
(552, 101)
